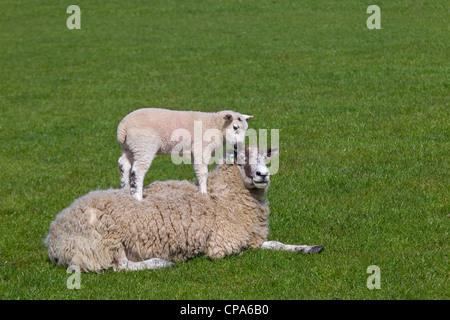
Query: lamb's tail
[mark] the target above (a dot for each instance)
(121, 132)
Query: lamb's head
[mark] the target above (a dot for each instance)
(234, 127)
(251, 162)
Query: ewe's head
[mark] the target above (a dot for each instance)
(234, 127)
(251, 162)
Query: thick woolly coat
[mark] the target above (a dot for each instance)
(173, 222)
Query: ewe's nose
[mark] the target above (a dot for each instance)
(235, 126)
(262, 172)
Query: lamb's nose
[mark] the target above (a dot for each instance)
(235, 127)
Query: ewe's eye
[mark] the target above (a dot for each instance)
(239, 119)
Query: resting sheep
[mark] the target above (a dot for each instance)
(148, 132)
(175, 222)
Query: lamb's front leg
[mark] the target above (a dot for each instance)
(201, 171)
(275, 245)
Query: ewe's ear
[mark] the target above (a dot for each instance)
(272, 152)
(228, 117)
(246, 117)
(230, 156)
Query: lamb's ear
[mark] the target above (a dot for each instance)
(228, 117)
(246, 117)
(272, 152)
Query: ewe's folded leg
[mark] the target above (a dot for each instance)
(275, 245)
(150, 264)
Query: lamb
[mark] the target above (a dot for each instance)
(145, 133)
(174, 222)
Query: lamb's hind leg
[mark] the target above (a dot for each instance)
(275, 245)
(142, 162)
(125, 163)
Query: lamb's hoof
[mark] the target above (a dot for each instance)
(316, 249)
(137, 196)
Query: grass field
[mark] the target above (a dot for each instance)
(364, 132)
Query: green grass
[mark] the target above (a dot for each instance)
(364, 133)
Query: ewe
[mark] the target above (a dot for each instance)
(105, 229)
(145, 133)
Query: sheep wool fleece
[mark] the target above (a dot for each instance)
(173, 222)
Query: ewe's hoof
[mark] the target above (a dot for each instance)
(316, 249)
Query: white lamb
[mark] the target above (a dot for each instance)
(174, 222)
(148, 132)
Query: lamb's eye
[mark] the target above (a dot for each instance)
(239, 119)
